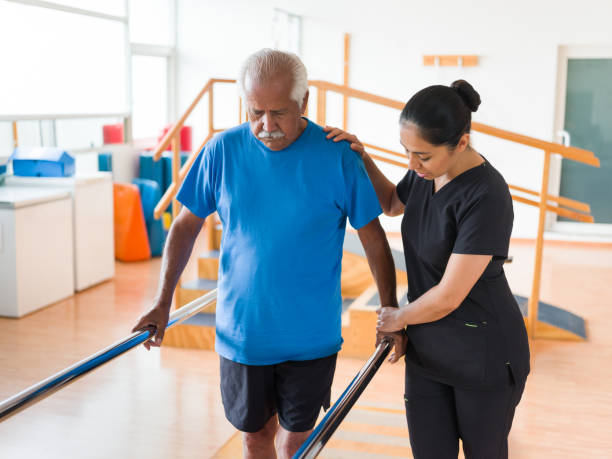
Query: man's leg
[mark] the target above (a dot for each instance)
(248, 399)
(260, 444)
(302, 388)
(287, 443)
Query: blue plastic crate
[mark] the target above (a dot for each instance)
(42, 162)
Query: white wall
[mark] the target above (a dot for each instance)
(516, 43)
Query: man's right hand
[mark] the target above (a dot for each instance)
(155, 321)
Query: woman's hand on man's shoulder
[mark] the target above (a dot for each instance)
(337, 134)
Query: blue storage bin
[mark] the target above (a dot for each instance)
(42, 162)
(167, 161)
(150, 194)
(105, 162)
(152, 170)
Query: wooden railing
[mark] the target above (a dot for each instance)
(562, 206)
(172, 138)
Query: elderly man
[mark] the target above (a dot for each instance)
(283, 193)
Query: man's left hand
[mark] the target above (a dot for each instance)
(400, 341)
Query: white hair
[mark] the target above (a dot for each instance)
(266, 63)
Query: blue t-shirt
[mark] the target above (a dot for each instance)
(284, 217)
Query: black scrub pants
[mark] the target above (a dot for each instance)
(439, 415)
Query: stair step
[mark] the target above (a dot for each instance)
(191, 336)
(208, 265)
(200, 284)
(197, 332)
(194, 289)
(201, 319)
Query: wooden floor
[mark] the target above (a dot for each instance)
(166, 404)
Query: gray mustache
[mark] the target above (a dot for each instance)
(270, 135)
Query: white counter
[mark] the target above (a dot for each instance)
(92, 198)
(36, 249)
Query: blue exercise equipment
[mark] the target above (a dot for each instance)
(105, 161)
(42, 162)
(150, 194)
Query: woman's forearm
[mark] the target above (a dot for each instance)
(382, 185)
(431, 306)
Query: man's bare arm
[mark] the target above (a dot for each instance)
(177, 251)
(377, 251)
(379, 257)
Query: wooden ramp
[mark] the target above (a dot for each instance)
(553, 322)
(360, 303)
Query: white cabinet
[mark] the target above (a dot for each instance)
(92, 198)
(36, 249)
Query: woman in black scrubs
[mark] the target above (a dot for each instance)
(467, 357)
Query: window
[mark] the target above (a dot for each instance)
(149, 95)
(60, 62)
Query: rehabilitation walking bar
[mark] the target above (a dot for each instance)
(48, 386)
(328, 425)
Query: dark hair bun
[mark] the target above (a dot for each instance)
(467, 93)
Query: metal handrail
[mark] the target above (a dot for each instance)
(51, 384)
(328, 425)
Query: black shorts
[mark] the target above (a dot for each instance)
(296, 390)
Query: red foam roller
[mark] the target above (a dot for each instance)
(112, 133)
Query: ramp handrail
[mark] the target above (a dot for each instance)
(328, 425)
(546, 201)
(51, 384)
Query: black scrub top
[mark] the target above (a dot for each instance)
(476, 345)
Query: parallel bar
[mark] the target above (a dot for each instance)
(326, 428)
(48, 386)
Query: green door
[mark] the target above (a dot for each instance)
(588, 119)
